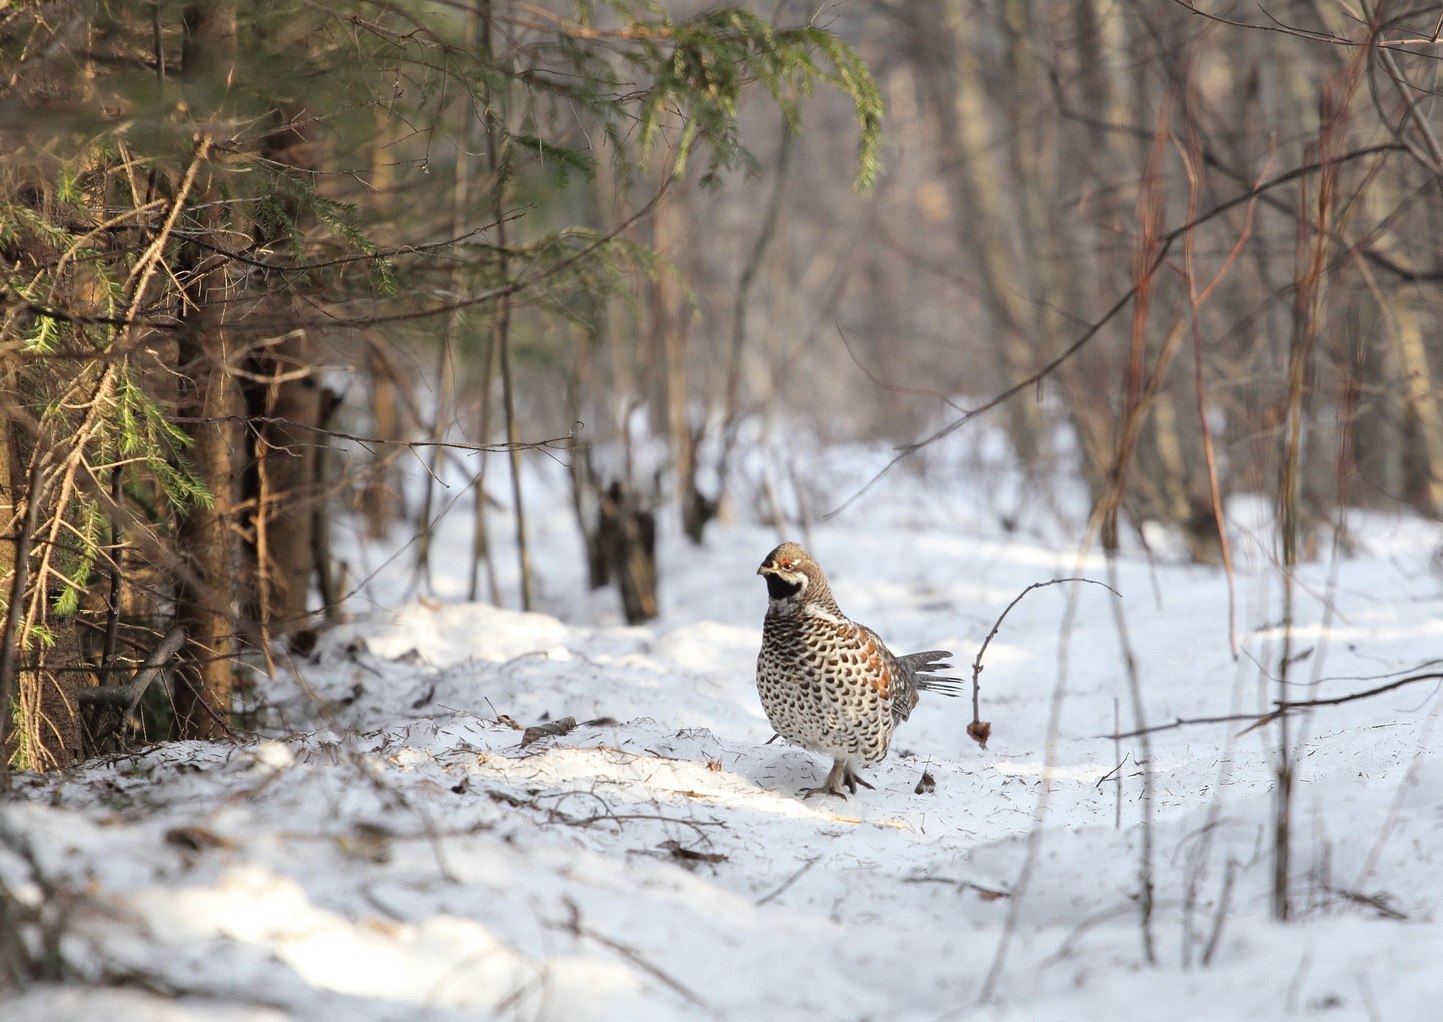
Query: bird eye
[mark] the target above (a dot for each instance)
(788, 563)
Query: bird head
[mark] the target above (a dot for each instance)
(789, 571)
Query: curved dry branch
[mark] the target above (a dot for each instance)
(980, 730)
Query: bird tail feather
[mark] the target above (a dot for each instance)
(915, 664)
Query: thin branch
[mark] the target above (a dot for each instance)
(1281, 708)
(9, 298)
(379, 255)
(1279, 26)
(1164, 246)
(1197, 299)
(565, 442)
(631, 954)
(775, 892)
(980, 730)
(127, 697)
(517, 286)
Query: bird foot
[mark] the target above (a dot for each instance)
(840, 774)
(852, 780)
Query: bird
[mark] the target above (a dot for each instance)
(829, 684)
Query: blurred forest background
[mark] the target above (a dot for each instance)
(262, 259)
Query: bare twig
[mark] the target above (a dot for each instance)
(776, 892)
(1224, 903)
(630, 953)
(1145, 846)
(1281, 708)
(127, 697)
(521, 284)
(1196, 299)
(1039, 813)
(1164, 246)
(564, 442)
(1312, 35)
(1117, 754)
(892, 388)
(979, 729)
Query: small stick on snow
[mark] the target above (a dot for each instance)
(628, 952)
(788, 881)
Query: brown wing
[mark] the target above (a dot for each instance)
(900, 691)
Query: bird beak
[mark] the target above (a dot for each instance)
(763, 569)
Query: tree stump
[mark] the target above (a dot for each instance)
(627, 536)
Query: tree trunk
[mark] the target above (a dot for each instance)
(55, 727)
(382, 502)
(11, 593)
(1421, 416)
(288, 441)
(331, 588)
(628, 537)
(982, 198)
(40, 679)
(205, 603)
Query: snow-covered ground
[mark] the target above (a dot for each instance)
(393, 849)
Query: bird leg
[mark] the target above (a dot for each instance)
(852, 779)
(841, 774)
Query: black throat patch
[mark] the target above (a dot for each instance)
(779, 588)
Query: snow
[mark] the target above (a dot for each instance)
(387, 848)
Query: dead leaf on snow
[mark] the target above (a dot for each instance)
(555, 729)
(196, 839)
